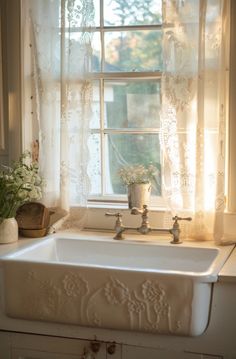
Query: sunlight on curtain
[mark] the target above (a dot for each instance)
(193, 113)
(60, 91)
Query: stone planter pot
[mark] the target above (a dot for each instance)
(139, 194)
(8, 231)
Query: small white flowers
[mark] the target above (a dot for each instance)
(137, 174)
(19, 184)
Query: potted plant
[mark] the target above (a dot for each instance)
(19, 184)
(138, 180)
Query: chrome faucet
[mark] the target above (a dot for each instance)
(145, 227)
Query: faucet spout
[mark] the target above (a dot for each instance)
(136, 211)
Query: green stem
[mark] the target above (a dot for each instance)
(2, 194)
(14, 202)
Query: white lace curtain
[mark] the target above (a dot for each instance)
(58, 53)
(193, 113)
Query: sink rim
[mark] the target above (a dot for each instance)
(210, 275)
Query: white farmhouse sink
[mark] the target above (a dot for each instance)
(126, 285)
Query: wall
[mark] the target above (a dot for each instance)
(11, 55)
(4, 103)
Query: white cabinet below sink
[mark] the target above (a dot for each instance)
(31, 346)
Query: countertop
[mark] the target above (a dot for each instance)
(228, 272)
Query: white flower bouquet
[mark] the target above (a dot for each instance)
(137, 174)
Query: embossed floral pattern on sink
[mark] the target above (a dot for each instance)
(149, 286)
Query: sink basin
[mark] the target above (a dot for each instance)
(150, 286)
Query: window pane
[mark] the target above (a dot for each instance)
(132, 104)
(133, 51)
(76, 50)
(135, 12)
(126, 149)
(95, 120)
(94, 165)
(96, 4)
(96, 46)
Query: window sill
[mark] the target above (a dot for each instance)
(121, 205)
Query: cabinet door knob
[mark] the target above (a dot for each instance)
(111, 348)
(95, 346)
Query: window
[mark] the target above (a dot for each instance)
(127, 63)
(127, 96)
